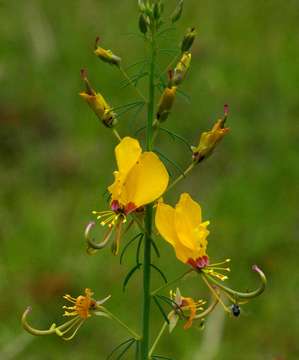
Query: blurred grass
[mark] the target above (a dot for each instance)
(56, 162)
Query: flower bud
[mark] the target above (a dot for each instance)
(181, 69)
(166, 103)
(143, 23)
(106, 55)
(158, 10)
(177, 13)
(188, 40)
(208, 140)
(97, 103)
(141, 5)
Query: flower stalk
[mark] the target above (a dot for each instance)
(148, 212)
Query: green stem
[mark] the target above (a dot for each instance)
(163, 328)
(148, 214)
(172, 282)
(116, 319)
(189, 168)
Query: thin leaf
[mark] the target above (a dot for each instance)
(138, 250)
(127, 245)
(126, 105)
(136, 63)
(134, 117)
(167, 300)
(133, 79)
(125, 349)
(129, 275)
(176, 136)
(161, 309)
(160, 272)
(155, 248)
(129, 109)
(139, 130)
(185, 96)
(161, 357)
(137, 349)
(118, 347)
(165, 31)
(180, 170)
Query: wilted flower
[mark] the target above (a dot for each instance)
(183, 308)
(183, 228)
(84, 306)
(166, 103)
(106, 55)
(141, 178)
(209, 140)
(97, 103)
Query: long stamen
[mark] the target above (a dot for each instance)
(218, 297)
(220, 263)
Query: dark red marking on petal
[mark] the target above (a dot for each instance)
(130, 207)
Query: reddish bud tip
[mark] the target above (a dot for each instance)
(256, 268)
(170, 74)
(226, 109)
(83, 73)
(97, 41)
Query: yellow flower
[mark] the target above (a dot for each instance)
(209, 139)
(141, 178)
(183, 228)
(165, 103)
(184, 308)
(97, 103)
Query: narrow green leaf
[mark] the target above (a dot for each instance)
(127, 245)
(118, 347)
(160, 272)
(155, 248)
(176, 136)
(138, 250)
(129, 275)
(180, 170)
(161, 309)
(125, 350)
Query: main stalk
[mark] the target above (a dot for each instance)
(148, 212)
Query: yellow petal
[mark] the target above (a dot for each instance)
(127, 153)
(164, 221)
(191, 232)
(146, 181)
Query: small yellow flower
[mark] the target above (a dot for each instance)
(184, 308)
(208, 140)
(141, 178)
(183, 228)
(97, 103)
(166, 103)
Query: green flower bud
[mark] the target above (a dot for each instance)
(143, 24)
(177, 13)
(188, 40)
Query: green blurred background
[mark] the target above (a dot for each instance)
(56, 161)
